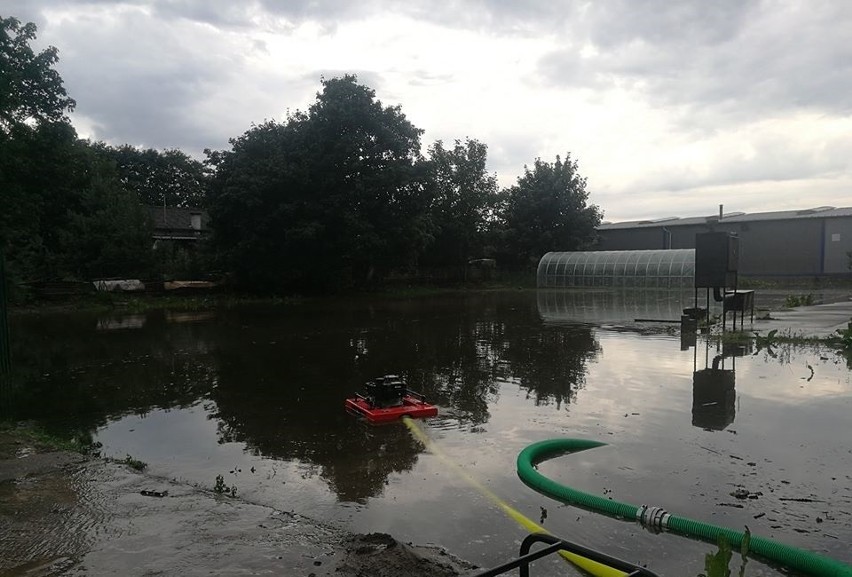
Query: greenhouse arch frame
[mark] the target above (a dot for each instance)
(673, 268)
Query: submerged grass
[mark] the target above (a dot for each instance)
(14, 434)
(840, 342)
(128, 303)
(104, 302)
(134, 464)
(842, 339)
(17, 435)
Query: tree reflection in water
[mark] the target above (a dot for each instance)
(277, 377)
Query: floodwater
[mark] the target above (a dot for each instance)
(255, 394)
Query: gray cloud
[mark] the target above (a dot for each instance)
(273, 14)
(155, 73)
(498, 16)
(151, 77)
(725, 62)
(773, 160)
(138, 81)
(662, 23)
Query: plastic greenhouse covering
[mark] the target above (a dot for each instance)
(674, 268)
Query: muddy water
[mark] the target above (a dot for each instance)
(255, 394)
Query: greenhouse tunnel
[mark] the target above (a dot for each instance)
(664, 269)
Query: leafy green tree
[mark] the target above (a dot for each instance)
(110, 234)
(63, 210)
(30, 89)
(464, 197)
(334, 196)
(547, 210)
(169, 177)
(67, 215)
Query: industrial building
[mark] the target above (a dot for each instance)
(812, 242)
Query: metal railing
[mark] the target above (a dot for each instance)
(555, 544)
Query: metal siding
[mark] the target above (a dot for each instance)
(836, 257)
(782, 243)
(789, 247)
(631, 239)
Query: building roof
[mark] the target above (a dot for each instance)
(732, 217)
(175, 219)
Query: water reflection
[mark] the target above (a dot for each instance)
(713, 397)
(270, 381)
(605, 306)
(122, 322)
(74, 376)
(551, 364)
(277, 377)
(714, 394)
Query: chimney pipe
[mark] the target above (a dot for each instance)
(721, 214)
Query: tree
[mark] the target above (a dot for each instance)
(30, 89)
(331, 197)
(546, 210)
(64, 212)
(169, 177)
(110, 233)
(464, 197)
(368, 178)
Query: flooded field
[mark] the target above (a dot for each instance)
(255, 394)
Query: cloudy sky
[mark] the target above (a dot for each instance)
(671, 108)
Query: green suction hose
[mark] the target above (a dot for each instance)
(797, 559)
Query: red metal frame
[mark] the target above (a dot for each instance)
(411, 406)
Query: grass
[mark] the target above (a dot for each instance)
(134, 464)
(102, 302)
(773, 337)
(840, 342)
(220, 488)
(793, 301)
(130, 303)
(14, 434)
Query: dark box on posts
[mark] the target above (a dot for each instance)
(717, 257)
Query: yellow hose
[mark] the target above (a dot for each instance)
(592, 567)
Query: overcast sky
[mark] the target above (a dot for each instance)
(671, 108)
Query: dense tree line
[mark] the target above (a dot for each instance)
(64, 212)
(72, 209)
(339, 195)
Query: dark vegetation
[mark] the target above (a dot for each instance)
(336, 197)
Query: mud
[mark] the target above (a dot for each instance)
(63, 514)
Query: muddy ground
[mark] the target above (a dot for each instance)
(62, 513)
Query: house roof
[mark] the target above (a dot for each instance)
(177, 219)
(734, 217)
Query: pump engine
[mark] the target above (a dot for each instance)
(386, 391)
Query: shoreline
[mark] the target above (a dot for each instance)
(73, 514)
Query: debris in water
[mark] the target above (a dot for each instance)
(740, 493)
(148, 493)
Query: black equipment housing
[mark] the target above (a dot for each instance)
(386, 391)
(717, 259)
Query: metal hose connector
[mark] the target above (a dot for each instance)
(797, 559)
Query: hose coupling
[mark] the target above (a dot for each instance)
(654, 519)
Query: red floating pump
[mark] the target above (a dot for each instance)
(387, 399)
